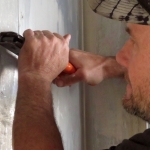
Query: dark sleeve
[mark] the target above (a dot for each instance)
(139, 141)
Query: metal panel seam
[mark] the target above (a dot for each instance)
(83, 105)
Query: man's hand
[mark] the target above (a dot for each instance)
(91, 69)
(43, 57)
(44, 54)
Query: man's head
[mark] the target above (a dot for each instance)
(135, 55)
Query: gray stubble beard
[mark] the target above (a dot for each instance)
(136, 106)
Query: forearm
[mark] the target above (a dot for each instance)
(34, 125)
(112, 69)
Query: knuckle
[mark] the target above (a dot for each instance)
(53, 38)
(28, 32)
(44, 39)
(38, 33)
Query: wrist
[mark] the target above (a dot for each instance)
(34, 90)
(33, 77)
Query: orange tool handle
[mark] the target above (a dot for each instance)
(70, 69)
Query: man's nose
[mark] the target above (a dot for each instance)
(123, 56)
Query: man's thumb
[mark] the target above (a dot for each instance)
(67, 37)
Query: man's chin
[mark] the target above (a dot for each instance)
(128, 105)
(132, 107)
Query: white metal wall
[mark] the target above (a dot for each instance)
(60, 16)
